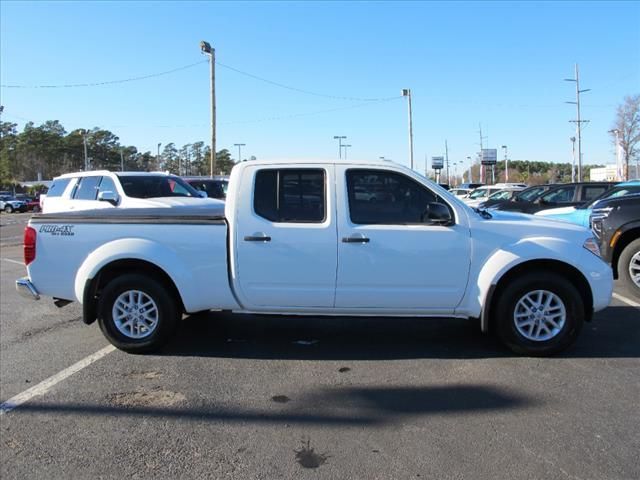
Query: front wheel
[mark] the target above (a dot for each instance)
(8, 209)
(539, 314)
(136, 313)
(629, 267)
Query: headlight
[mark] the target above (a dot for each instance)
(591, 245)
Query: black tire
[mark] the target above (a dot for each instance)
(529, 282)
(36, 209)
(8, 209)
(624, 262)
(168, 314)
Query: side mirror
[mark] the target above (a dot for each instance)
(202, 194)
(437, 214)
(109, 197)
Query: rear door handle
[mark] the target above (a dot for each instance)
(358, 238)
(257, 237)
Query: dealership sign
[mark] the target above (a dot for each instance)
(489, 156)
(437, 163)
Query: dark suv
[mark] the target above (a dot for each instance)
(561, 195)
(616, 225)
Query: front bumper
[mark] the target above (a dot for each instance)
(26, 289)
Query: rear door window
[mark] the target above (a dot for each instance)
(591, 192)
(560, 195)
(290, 195)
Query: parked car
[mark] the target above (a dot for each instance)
(460, 192)
(470, 186)
(481, 194)
(33, 203)
(293, 238)
(580, 214)
(10, 204)
(616, 225)
(215, 187)
(525, 196)
(560, 195)
(104, 189)
(505, 194)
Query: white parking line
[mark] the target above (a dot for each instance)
(44, 386)
(12, 261)
(626, 300)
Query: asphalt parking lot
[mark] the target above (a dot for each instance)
(255, 397)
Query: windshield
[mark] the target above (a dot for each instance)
(479, 193)
(501, 195)
(156, 186)
(530, 194)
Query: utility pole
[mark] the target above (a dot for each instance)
(406, 92)
(345, 150)
(86, 155)
(207, 49)
(446, 157)
(506, 165)
(158, 157)
(470, 172)
(339, 138)
(121, 160)
(578, 121)
(239, 145)
(573, 159)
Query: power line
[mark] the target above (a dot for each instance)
(300, 90)
(109, 82)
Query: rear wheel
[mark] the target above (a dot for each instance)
(136, 313)
(539, 314)
(629, 267)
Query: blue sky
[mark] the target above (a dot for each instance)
(501, 64)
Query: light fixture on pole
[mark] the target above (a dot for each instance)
(207, 49)
(239, 145)
(506, 164)
(345, 150)
(339, 138)
(406, 92)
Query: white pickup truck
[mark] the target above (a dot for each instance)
(331, 238)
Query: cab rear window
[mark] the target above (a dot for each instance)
(58, 187)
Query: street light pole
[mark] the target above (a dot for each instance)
(339, 138)
(158, 157)
(573, 159)
(239, 145)
(506, 164)
(121, 160)
(345, 150)
(207, 49)
(470, 172)
(406, 92)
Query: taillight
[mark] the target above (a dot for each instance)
(29, 245)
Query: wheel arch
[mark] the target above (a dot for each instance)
(93, 286)
(540, 265)
(625, 239)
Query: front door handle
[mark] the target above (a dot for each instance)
(257, 237)
(358, 238)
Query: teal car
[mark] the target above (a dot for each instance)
(580, 215)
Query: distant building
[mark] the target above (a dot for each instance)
(603, 174)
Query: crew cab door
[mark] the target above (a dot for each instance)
(389, 257)
(285, 237)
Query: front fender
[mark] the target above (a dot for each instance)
(499, 262)
(132, 249)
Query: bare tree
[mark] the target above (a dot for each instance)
(627, 123)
